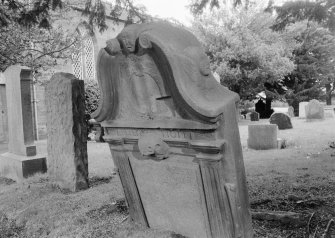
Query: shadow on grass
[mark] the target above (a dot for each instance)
(6, 181)
(9, 228)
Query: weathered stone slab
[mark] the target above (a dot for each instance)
(172, 130)
(302, 113)
(254, 116)
(262, 137)
(22, 159)
(290, 111)
(282, 120)
(314, 110)
(67, 132)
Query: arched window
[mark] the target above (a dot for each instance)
(77, 64)
(83, 60)
(89, 62)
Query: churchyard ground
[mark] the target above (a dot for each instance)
(299, 179)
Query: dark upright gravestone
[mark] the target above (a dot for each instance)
(67, 132)
(173, 133)
(282, 120)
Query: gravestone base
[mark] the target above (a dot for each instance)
(18, 167)
(314, 119)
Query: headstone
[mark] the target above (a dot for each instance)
(173, 133)
(67, 132)
(329, 111)
(290, 111)
(282, 120)
(262, 137)
(254, 116)
(314, 110)
(21, 160)
(302, 113)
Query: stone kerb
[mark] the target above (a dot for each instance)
(302, 113)
(22, 159)
(314, 110)
(262, 137)
(67, 132)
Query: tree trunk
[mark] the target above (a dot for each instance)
(328, 94)
(268, 109)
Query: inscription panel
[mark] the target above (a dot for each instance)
(165, 134)
(170, 194)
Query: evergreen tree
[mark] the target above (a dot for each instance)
(316, 52)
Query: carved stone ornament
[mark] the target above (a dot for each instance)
(151, 144)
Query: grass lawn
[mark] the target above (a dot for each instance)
(299, 178)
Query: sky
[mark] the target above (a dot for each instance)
(174, 9)
(168, 9)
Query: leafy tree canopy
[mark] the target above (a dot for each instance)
(321, 11)
(197, 6)
(30, 33)
(314, 58)
(37, 12)
(244, 51)
(314, 24)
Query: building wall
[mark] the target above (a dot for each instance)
(71, 20)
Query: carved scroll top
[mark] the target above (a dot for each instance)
(161, 62)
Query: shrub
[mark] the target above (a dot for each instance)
(92, 96)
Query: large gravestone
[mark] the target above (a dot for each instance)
(302, 113)
(314, 110)
(262, 137)
(173, 133)
(22, 159)
(67, 132)
(282, 120)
